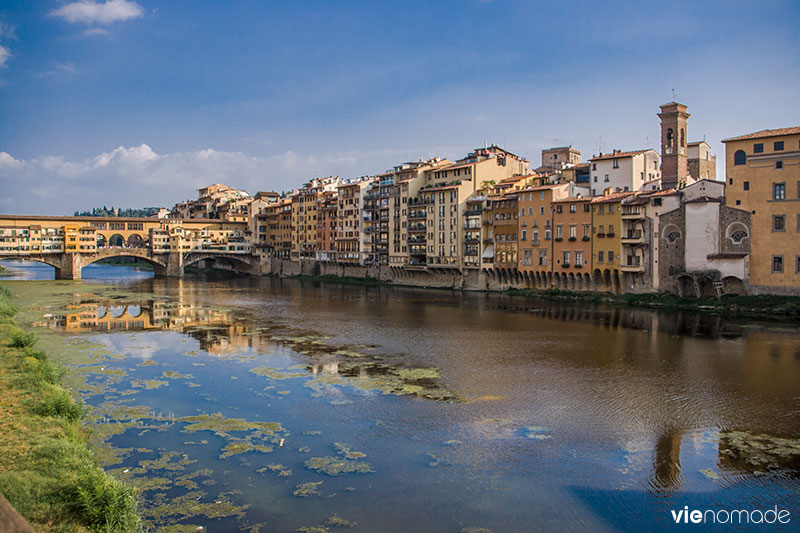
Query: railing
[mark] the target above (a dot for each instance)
(470, 225)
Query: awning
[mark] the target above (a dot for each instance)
(488, 252)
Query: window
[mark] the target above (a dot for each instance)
(758, 148)
(657, 202)
(673, 236)
(587, 231)
(610, 256)
(558, 208)
(739, 158)
(547, 234)
(746, 185)
(587, 208)
(738, 236)
(573, 208)
(595, 179)
(578, 258)
(573, 231)
(606, 178)
(778, 165)
(779, 191)
(778, 222)
(594, 167)
(777, 264)
(778, 146)
(616, 163)
(600, 256)
(565, 262)
(600, 209)
(541, 195)
(559, 231)
(535, 235)
(797, 265)
(600, 231)
(611, 230)
(527, 258)
(543, 257)
(524, 235)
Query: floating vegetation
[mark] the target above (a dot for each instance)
(345, 451)
(313, 432)
(222, 426)
(536, 432)
(243, 446)
(284, 392)
(312, 529)
(191, 384)
(169, 511)
(148, 383)
(475, 530)
(148, 362)
(303, 449)
(340, 402)
(710, 474)
(168, 461)
(282, 470)
(169, 374)
(338, 521)
(336, 466)
(754, 452)
(452, 442)
(276, 374)
(305, 490)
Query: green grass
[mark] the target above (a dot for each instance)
(47, 470)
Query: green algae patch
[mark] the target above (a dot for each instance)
(345, 451)
(169, 511)
(337, 466)
(306, 490)
(312, 529)
(149, 362)
(710, 474)
(169, 374)
(276, 374)
(148, 383)
(243, 446)
(222, 426)
(282, 470)
(476, 530)
(757, 453)
(338, 521)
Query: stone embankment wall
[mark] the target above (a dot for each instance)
(471, 279)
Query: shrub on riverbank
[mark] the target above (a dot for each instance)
(785, 307)
(47, 470)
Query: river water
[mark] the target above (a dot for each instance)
(264, 404)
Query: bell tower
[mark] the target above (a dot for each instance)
(674, 160)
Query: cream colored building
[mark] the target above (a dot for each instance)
(623, 171)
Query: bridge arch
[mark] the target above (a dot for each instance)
(135, 241)
(141, 253)
(102, 242)
(116, 241)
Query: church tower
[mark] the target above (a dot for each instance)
(674, 160)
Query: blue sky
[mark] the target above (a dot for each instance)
(139, 103)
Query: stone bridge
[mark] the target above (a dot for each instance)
(171, 264)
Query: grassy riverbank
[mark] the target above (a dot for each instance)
(47, 470)
(765, 306)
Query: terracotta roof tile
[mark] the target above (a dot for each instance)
(766, 133)
(619, 155)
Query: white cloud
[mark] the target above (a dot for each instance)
(91, 12)
(91, 32)
(7, 161)
(137, 176)
(5, 53)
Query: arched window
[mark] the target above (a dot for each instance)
(673, 236)
(683, 138)
(738, 236)
(739, 158)
(670, 138)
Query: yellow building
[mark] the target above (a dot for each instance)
(606, 237)
(763, 177)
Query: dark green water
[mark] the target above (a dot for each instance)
(468, 410)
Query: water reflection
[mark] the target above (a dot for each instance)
(545, 400)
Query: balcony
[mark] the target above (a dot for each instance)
(471, 225)
(635, 266)
(417, 215)
(633, 237)
(472, 212)
(633, 214)
(472, 240)
(417, 228)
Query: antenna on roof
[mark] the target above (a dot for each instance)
(647, 142)
(673, 95)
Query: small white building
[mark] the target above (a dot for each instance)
(623, 171)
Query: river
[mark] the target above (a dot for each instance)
(264, 404)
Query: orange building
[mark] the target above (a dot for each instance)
(572, 241)
(535, 231)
